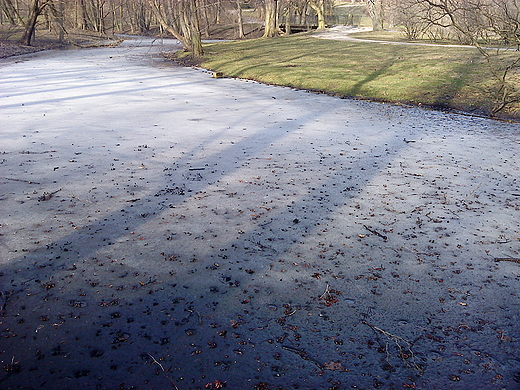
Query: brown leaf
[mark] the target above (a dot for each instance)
(334, 366)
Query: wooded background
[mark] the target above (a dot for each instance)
(480, 23)
(465, 21)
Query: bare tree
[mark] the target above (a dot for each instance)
(139, 16)
(82, 21)
(170, 26)
(504, 20)
(410, 17)
(183, 23)
(36, 8)
(476, 21)
(10, 11)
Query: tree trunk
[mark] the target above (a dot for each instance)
(288, 21)
(319, 7)
(203, 7)
(99, 16)
(167, 26)
(83, 20)
(194, 27)
(375, 10)
(271, 29)
(240, 21)
(142, 23)
(217, 12)
(35, 9)
(60, 15)
(189, 34)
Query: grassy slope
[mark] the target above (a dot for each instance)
(437, 76)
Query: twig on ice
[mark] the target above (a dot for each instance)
(403, 345)
(376, 232)
(326, 294)
(47, 195)
(24, 181)
(164, 372)
(303, 355)
(511, 259)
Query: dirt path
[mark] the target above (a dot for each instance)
(343, 33)
(163, 229)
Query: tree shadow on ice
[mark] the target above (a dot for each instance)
(265, 269)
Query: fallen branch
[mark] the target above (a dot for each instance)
(328, 298)
(262, 247)
(376, 233)
(303, 355)
(30, 152)
(511, 259)
(47, 195)
(82, 200)
(403, 345)
(5, 297)
(24, 181)
(164, 372)
(326, 293)
(108, 43)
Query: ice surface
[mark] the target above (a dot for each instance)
(247, 233)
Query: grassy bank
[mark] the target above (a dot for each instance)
(442, 77)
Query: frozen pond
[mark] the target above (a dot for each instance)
(160, 228)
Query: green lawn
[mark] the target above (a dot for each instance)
(434, 76)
